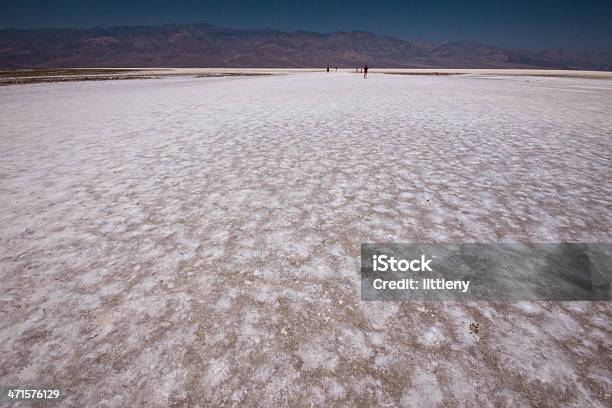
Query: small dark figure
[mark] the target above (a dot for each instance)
(365, 71)
(336, 69)
(327, 69)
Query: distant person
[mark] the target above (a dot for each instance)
(365, 71)
(327, 69)
(336, 69)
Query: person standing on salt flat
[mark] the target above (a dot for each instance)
(365, 71)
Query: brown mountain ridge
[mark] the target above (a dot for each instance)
(204, 45)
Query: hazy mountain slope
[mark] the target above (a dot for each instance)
(203, 45)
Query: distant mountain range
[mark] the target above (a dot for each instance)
(203, 45)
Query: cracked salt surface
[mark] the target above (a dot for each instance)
(195, 242)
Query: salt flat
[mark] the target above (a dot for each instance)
(195, 242)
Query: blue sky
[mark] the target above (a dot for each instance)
(512, 23)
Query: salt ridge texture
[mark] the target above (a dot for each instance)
(195, 242)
